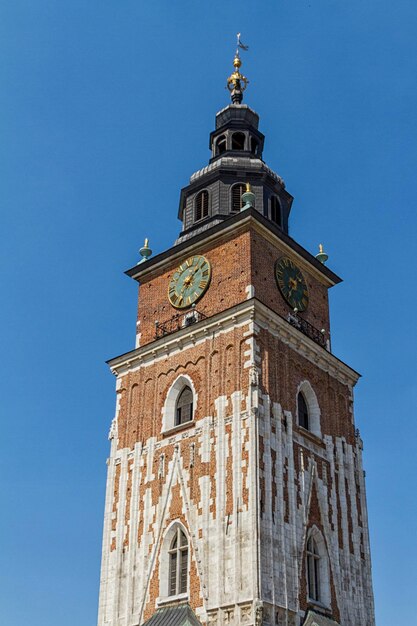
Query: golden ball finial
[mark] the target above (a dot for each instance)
(237, 83)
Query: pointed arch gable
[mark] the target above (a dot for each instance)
(317, 524)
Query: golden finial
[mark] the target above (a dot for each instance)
(248, 187)
(322, 256)
(237, 83)
(236, 61)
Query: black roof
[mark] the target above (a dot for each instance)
(181, 615)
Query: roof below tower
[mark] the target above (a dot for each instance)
(317, 619)
(181, 615)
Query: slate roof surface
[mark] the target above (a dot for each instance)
(181, 615)
(316, 619)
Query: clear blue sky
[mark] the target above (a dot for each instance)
(105, 111)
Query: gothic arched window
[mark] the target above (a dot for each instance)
(237, 202)
(184, 407)
(308, 409)
(201, 205)
(238, 141)
(317, 568)
(275, 211)
(313, 570)
(178, 564)
(303, 417)
(221, 145)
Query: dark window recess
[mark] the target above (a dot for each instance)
(313, 570)
(302, 411)
(184, 409)
(221, 145)
(201, 205)
(254, 146)
(238, 141)
(276, 211)
(178, 564)
(237, 202)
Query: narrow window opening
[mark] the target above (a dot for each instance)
(238, 141)
(221, 145)
(313, 570)
(237, 202)
(276, 211)
(184, 409)
(178, 564)
(201, 205)
(254, 146)
(303, 418)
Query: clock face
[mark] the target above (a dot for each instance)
(189, 282)
(291, 283)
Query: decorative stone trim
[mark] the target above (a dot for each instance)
(237, 316)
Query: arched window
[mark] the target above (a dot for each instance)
(221, 145)
(313, 570)
(201, 205)
(237, 202)
(238, 141)
(178, 564)
(254, 145)
(184, 407)
(308, 410)
(303, 418)
(275, 211)
(317, 568)
(180, 402)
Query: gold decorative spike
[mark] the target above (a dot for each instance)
(236, 79)
(237, 83)
(248, 188)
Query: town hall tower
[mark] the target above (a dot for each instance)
(235, 491)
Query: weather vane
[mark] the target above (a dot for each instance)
(237, 83)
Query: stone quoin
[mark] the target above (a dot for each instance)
(235, 491)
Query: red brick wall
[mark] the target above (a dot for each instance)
(283, 370)
(215, 367)
(230, 264)
(264, 255)
(244, 258)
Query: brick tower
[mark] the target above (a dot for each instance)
(235, 490)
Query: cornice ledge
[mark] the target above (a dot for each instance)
(269, 320)
(234, 224)
(186, 337)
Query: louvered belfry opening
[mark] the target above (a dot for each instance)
(221, 145)
(254, 145)
(276, 211)
(238, 141)
(237, 202)
(201, 205)
(184, 412)
(178, 564)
